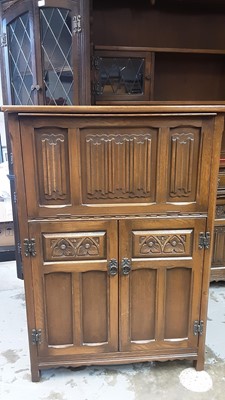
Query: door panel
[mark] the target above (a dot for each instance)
(178, 287)
(143, 297)
(58, 295)
(76, 304)
(160, 297)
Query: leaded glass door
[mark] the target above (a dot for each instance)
(18, 52)
(64, 51)
(59, 73)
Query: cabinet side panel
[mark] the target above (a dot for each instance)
(178, 293)
(94, 307)
(143, 304)
(58, 292)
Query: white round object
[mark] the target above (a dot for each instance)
(195, 381)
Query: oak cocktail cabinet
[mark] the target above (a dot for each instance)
(116, 210)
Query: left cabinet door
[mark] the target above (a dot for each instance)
(76, 296)
(19, 73)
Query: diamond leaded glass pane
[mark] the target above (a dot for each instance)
(121, 76)
(56, 42)
(20, 61)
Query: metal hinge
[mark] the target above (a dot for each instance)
(4, 41)
(204, 240)
(29, 247)
(76, 24)
(96, 62)
(97, 89)
(19, 248)
(198, 327)
(36, 336)
(11, 158)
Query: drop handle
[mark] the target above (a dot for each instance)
(113, 267)
(148, 77)
(125, 266)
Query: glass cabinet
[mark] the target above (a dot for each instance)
(42, 43)
(122, 75)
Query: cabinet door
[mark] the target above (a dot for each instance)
(18, 58)
(123, 75)
(46, 52)
(76, 299)
(64, 51)
(160, 296)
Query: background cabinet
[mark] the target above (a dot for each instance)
(46, 52)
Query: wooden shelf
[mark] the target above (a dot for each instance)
(162, 50)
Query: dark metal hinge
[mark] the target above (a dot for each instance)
(36, 336)
(96, 62)
(97, 89)
(29, 247)
(198, 327)
(4, 41)
(11, 158)
(204, 240)
(76, 24)
(19, 247)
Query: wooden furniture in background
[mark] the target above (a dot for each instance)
(116, 211)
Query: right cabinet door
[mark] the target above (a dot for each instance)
(160, 290)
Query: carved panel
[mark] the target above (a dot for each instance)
(53, 165)
(218, 258)
(119, 164)
(184, 156)
(162, 243)
(221, 184)
(73, 246)
(220, 211)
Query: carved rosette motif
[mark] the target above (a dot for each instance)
(119, 166)
(79, 247)
(166, 244)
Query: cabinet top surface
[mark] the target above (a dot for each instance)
(120, 109)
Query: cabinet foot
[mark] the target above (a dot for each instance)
(35, 375)
(199, 364)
